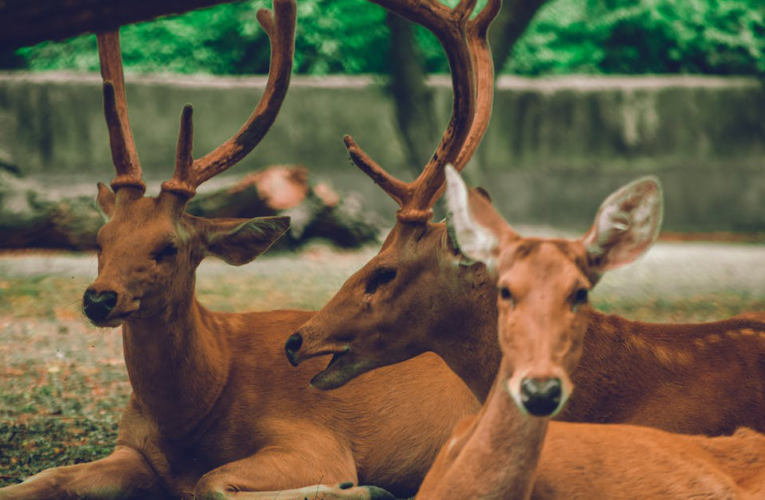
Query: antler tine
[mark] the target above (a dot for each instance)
(183, 152)
(483, 64)
(449, 26)
(396, 189)
(280, 28)
(124, 155)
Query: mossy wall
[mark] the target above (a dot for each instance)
(554, 150)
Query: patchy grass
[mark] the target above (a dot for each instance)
(63, 383)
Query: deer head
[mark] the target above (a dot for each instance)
(543, 284)
(403, 287)
(149, 248)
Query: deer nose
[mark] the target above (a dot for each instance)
(541, 397)
(98, 305)
(292, 347)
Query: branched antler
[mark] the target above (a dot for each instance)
(467, 50)
(190, 173)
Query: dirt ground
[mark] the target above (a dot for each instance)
(63, 382)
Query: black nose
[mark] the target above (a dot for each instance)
(98, 305)
(541, 397)
(292, 347)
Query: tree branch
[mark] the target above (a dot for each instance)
(25, 22)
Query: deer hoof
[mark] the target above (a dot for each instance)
(376, 493)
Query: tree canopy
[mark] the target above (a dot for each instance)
(351, 37)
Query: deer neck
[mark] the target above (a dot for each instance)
(178, 365)
(467, 340)
(502, 452)
(605, 377)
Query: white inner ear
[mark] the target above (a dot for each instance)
(474, 240)
(620, 236)
(611, 222)
(106, 216)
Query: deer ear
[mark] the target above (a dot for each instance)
(626, 225)
(105, 201)
(239, 241)
(475, 227)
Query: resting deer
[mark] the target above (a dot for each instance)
(511, 450)
(419, 294)
(216, 410)
(398, 291)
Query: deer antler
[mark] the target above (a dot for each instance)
(189, 173)
(124, 154)
(467, 49)
(483, 66)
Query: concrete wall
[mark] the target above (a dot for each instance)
(554, 150)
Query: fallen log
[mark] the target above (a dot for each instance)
(29, 219)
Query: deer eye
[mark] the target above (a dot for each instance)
(579, 297)
(381, 277)
(505, 294)
(168, 250)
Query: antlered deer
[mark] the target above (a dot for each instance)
(511, 450)
(420, 294)
(399, 290)
(216, 410)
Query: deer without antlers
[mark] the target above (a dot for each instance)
(420, 294)
(216, 411)
(511, 450)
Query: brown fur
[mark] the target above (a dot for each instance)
(660, 375)
(505, 453)
(448, 308)
(216, 411)
(216, 408)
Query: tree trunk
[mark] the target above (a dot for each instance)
(412, 97)
(507, 28)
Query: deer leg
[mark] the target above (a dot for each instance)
(273, 474)
(343, 491)
(122, 475)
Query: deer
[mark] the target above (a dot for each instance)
(398, 289)
(512, 449)
(216, 411)
(420, 294)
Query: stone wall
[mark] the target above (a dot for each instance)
(554, 150)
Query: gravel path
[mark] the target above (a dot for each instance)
(669, 270)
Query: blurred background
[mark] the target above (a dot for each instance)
(589, 95)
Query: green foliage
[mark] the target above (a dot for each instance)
(351, 37)
(223, 39)
(227, 39)
(644, 36)
(340, 36)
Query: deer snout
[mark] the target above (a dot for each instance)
(292, 346)
(541, 397)
(98, 305)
